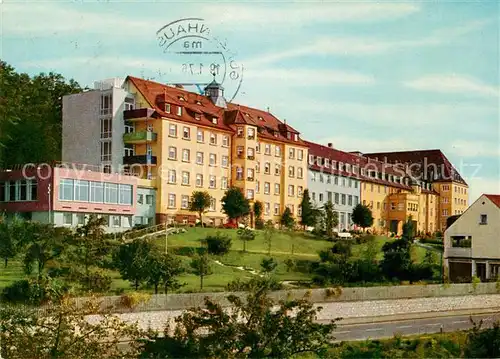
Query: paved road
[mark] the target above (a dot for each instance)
(410, 327)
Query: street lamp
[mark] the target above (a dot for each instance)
(49, 191)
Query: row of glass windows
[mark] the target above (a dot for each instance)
(337, 198)
(20, 190)
(95, 192)
(80, 219)
(338, 181)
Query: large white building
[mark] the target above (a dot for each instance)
(472, 242)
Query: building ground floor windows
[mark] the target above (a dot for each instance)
(462, 270)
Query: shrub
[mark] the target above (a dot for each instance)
(97, 281)
(132, 300)
(430, 240)
(238, 285)
(268, 264)
(218, 244)
(230, 225)
(290, 264)
(259, 223)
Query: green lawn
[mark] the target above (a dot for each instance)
(305, 248)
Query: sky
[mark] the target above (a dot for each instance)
(365, 76)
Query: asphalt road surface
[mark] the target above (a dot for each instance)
(351, 332)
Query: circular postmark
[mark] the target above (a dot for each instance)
(195, 55)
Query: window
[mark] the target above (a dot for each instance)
(349, 200)
(267, 208)
(250, 193)
(32, 190)
(167, 108)
(172, 130)
(276, 209)
(197, 116)
(277, 170)
(68, 219)
(267, 187)
(311, 159)
(179, 111)
(225, 161)
(313, 176)
(185, 178)
(184, 202)
(185, 155)
(337, 198)
(65, 190)
(300, 190)
(319, 161)
(186, 133)
(239, 173)
(378, 205)
(106, 151)
(172, 153)
(393, 206)
(300, 154)
(484, 219)
(106, 128)
(96, 192)
(3, 187)
(171, 200)
(149, 199)
(313, 196)
(267, 149)
(213, 182)
(239, 131)
(199, 135)
(172, 178)
(320, 197)
(257, 147)
(277, 188)
(128, 150)
(223, 182)
(225, 141)
(80, 219)
(239, 151)
(111, 193)
(343, 199)
(291, 153)
(291, 190)
(106, 104)
(212, 204)
(213, 138)
(291, 171)
(250, 174)
(125, 193)
(251, 133)
(23, 190)
(82, 191)
(149, 150)
(336, 180)
(300, 173)
(199, 158)
(212, 159)
(356, 200)
(199, 180)
(267, 168)
(250, 153)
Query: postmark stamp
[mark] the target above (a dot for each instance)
(196, 55)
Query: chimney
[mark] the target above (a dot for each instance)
(330, 145)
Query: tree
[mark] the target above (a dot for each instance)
(257, 211)
(408, 229)
(269, 233)
(45, 243)
(163, 269)
(200, 203)
(483, 343)
(234, 204)
(201, 266)
(91, 246)
(131, 260)
(256, 327)
(287, 219)
(362, 216)
(31, 116)
(11, 238)
(308, 213)
(62, 330)
(331, 218)
(245, 234)
(268, 264)
(218, 245)
(397, 259)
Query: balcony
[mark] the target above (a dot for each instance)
(140, 159)
(139, 114)
(458, 252)
(139, 137)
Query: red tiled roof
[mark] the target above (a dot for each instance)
(424, 158)
(495, 198)
(159, 94)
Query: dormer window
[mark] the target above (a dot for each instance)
(167, 108)
(327, 163)
(181, 98)
(295, 137)
(275, 133)
(334, 165)
(261, 118)
(348, 168)
(198, 102)
(311, 159)
(239, 131)
(179, 111)
(289, 135)
(214, 120)
(197, 116)
(318, 161)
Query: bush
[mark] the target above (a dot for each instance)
(427, 240)
(218, 244)
(259, 223)
(420, 272)
(364, 238)
(268, 264)
(22, 291)
(238, 285)
(98, 281)
(230, 225)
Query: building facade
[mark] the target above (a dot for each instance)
(385, 188)
(186, 142)
(433, 167)
(472, 242)
(66, 194)
(326, 182)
